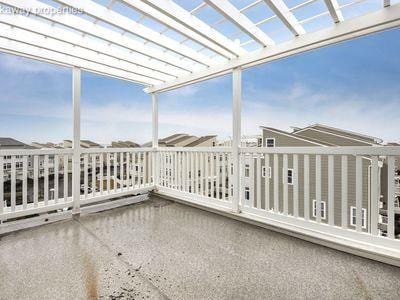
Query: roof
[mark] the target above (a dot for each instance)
(124, 144)
(310, 140)
(342, 132)
(10, 143)
(201, 140)
(180, 140)
(166, 44)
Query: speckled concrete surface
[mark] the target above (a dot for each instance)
(160, 249)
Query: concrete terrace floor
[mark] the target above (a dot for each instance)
(164, 250)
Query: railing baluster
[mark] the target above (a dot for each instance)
(121, 171)
(331, 187)
(108, 176)
(252, 170)
(115, 173)
(93, 175)
(207, 174)
(65, 176)
(306, 187)
(201, 173)
(85, 175)
(24, 182)
(218, 175)
(266, 181)
(35, 180)
(46, 179)
(13, 182)
(101, 166)
(258, 176)
(359, 193)
(344, 176)
(135, 169)
(318, 186)
(56, 177)
(295, 175)
(223, 179)
(212, 172)
(375, 195)
(1, 186)
(178, 170)
(230, 197)
(390, 199)
(192, 181)
(285, 184)
(276, 183)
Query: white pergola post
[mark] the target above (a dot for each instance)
(76, 158)
(154, 101)
(236, 127)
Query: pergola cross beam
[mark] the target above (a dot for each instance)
(334, 10)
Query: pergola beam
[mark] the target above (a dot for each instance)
(102, 52)
(334, 10)
(100, 32)
(222, 46)
(286, 16)
(231, 13)
(26, 50)
(190, 21)
(33, 39)
(383, 19)
(115, 19)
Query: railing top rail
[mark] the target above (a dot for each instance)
(358, 150)
(115, 150)
(196, 149)
(35, 152)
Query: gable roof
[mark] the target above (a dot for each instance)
(10, 143)
(200, 140)
(341, 132)
(306, 139)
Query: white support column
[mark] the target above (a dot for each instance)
(236, 126)
(156, 165)
(76, 158)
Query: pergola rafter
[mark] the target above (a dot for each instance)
(108, 42)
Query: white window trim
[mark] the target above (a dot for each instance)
(269, 172)
(266, 142)
(287, 179)
(363, 216)
(246, 192)
(323, 204)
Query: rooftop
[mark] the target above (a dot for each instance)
(160, 249)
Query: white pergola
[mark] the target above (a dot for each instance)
(165, 44)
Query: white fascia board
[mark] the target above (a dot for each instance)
(384, 19)
(286, 16)
(36, 53)
(231, 13)
(113, 18)
(100, 32)
(221, 46)
(182, 16)
(110, 56)
(334, 10)
(43, 42)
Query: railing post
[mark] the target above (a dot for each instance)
(76, 158)
(236, 128)
(156, 164)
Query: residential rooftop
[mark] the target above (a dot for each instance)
(159, 249)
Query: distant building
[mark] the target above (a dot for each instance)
(185, 140)
(246, 141)
(124, 144)
(84, 144)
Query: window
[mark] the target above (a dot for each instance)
(269, 172)
(247, 171)
(290, 176)
(247, 193)
(270, 142)
(259, 142)
(353, 217)
(323, 209)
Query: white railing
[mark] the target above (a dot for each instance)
(39, 181)
(200, 174)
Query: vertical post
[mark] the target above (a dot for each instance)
(76, 158)
(236, 127)
(156, 164)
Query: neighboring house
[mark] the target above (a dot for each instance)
(319, 136)
(204, 141)
(246, 141)
(12, 144)
(124, 144)
(84, 144)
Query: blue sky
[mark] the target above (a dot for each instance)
(354, 85)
